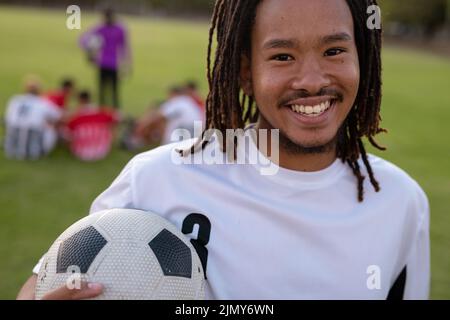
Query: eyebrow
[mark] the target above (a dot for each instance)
(342, 36)
(281, 43)
(293, 43)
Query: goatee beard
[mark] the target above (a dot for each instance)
(294, 148)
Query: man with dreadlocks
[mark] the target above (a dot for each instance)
(317, 229)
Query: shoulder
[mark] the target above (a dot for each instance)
(47, 105)
(17, 98)
(159, 156)
(394, 180)
(120, 27)
(20, 99)
(392, 173)
(166, 161)
(163, 159)
(174, 105)
(177, 101)
(147, 176)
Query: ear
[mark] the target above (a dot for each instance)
(245, 75)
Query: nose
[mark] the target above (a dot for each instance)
(310, 76)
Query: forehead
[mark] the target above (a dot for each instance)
(304, 20)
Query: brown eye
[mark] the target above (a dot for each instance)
(282, 57)
(334, 52)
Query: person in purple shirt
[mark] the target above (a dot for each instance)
(107, 47)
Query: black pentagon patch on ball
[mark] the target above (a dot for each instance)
(173, 254)
(80, 250)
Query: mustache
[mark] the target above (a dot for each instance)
(337, 95)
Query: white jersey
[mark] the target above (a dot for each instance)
(29, 132)
(30, 111)
(292, 235)
(181, 113)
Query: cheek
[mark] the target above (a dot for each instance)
(267, 87)
(350, 78)
(347, 77)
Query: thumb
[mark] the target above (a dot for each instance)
(86, 291)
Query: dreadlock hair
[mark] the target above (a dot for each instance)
(228, 107)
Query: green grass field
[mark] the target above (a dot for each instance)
(38, 200)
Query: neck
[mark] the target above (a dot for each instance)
(298, 161)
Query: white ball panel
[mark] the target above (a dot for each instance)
(128, 224)
(129, 272)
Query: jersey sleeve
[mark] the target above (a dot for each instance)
(52, 111)
(10, 110)
(38, 266)
(417, 282)
(119, 194)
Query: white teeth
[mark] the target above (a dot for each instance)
(312, 111)
(316, 109)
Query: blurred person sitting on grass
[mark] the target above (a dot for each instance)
(89, 130)
(85, 105)
(192, 91)
(60, 97)
(30, 123)
(157, 125)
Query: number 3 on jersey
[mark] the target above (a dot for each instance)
(204, 231)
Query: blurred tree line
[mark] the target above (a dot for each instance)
(198, 7)
(423, 16)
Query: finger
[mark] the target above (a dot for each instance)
(86, 291)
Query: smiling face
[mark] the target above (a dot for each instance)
(303, 69)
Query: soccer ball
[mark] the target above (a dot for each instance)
(136, 255)
(94, 43)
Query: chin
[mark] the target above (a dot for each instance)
(311, 142)
(301, 142)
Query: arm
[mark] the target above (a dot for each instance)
(418, 264)
(88, 290)
(125, 53)
(54, 114)
(85, 38)
(150, 128)
(27, 290)
(9, 110)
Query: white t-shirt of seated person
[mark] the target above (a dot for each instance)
(26, 113)
(181, 113)
(31, 111)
